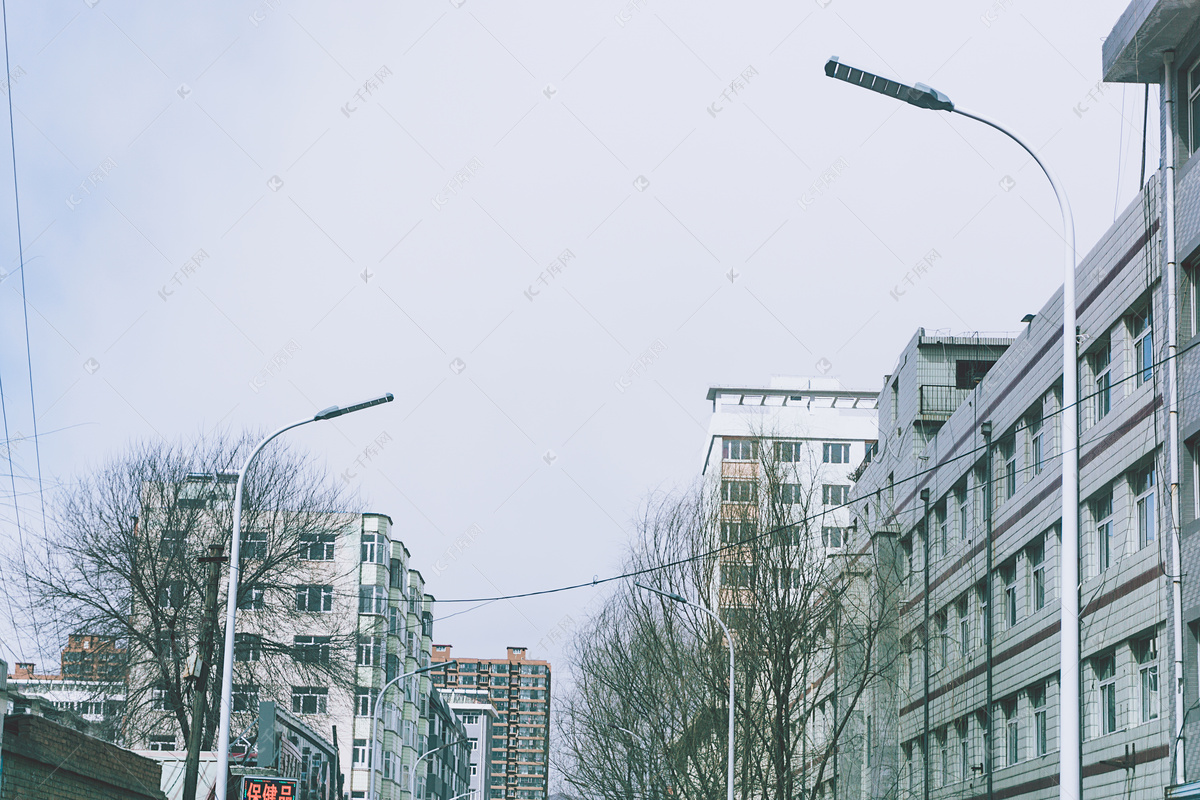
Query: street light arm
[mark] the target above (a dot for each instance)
(379, 707)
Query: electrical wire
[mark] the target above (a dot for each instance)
(811, 518)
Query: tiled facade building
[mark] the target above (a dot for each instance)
(519, 689)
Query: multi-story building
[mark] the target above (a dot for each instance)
(962, 505)
(338, 617)
(518, 688)
(90, 683)
(478, 716)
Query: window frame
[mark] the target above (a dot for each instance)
(1143, 344)
(1144, 488)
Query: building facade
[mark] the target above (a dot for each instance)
(89, 685)
(519, 689)
(477, 716)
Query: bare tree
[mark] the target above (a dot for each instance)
(814, 635)
(121, 560)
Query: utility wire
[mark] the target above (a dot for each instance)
(12, 137)
(772, 531)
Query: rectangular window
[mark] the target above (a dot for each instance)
(1102, 512)
(1193, 107)
(1037, 699)
(1142, 331)
(311, 649)
(1101, 362)
(1037, 571)
(245, 697)
(317, 546)
(364, 702)
(251, 597)
(310, 699)
(943, 641)
(964, 751)
(170, 595)
(736, 531)
(1105, 668)
(835, 495)
(172, 544)
(1012, 734)
(314, 598)
(247, 647)
(370, 651)
(1037, 445)
(831, 536)
(161, 743)
(985, 615)
(372, 599)
(835, 453)
(1146, 652)
(789, 452)
(1143, 487)
(943, 775)
(374, 548)
(964, 512)
(790, 493)
(964, 628)
(739, 491)
(253, 545)
(360, 753)
(1009, 574)
(739, 449)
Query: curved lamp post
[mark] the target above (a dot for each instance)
(379, 707)
(234, 570)
(680, 599)
(922, 96)
(412, 779)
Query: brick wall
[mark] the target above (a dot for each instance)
(47, 761)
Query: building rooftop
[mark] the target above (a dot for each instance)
(1133, 51)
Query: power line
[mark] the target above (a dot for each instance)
(718, 550)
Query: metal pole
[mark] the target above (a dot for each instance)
(989, 613)
(925, 738)
(645, 753)
(1069, 729)
(412, 779)
(680, 599)
(378, 706)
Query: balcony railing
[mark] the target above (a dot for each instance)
(939, 402)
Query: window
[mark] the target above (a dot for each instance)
(245, 697)
(317, 546)
(360, 754)
(736, 531)
(170, 595)
(1102, 512)
(964, 627)
(364, 702)
(1193, 108)
(739, 449)
(389, 765)
(314, 598)
(251, 597)
(1101, 362)
(370, 650)
(835, 453)
(309, 699)
(943, 640)
(1143, 487)
(1012, 733)
(311, 649)
(968, 373)
(1037, 699)
(1037, 445)
(254, 545)
(1105, 668)
(1142, 331)
(396, 573)
(942, 743)
(964, 751)
(943, 533)
(160, 698)
(1146, 652)
(789, 452)
(372, 599)
(160, 743)
(739, 491)
(831, 536)
(1036, 554)
(1009, 575)
(835, 495)
(374, 548)
(964, 511)
(790, 493)
(395, 621)
(247, 647)
(985, 616)
(172, 543)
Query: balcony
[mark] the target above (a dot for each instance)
(938, 402)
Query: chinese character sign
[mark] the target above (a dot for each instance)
(268, 789)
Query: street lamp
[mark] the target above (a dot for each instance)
(412, 779)
(234, 568)
(923, 96)
(680, 599)
(645, 752)
(379, 707)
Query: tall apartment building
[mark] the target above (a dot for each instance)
(519, 689)
(90, 683)
(963, 499)
(335, 622)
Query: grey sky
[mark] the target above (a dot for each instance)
(244, 130)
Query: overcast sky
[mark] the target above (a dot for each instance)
(235, 213)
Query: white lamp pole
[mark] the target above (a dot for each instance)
(680, 599)
(412, 779)
(379, 707)
(1069, 730)
(222, 786)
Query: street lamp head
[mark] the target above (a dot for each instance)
(920, 95)
(669, 595)
(337, 411)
